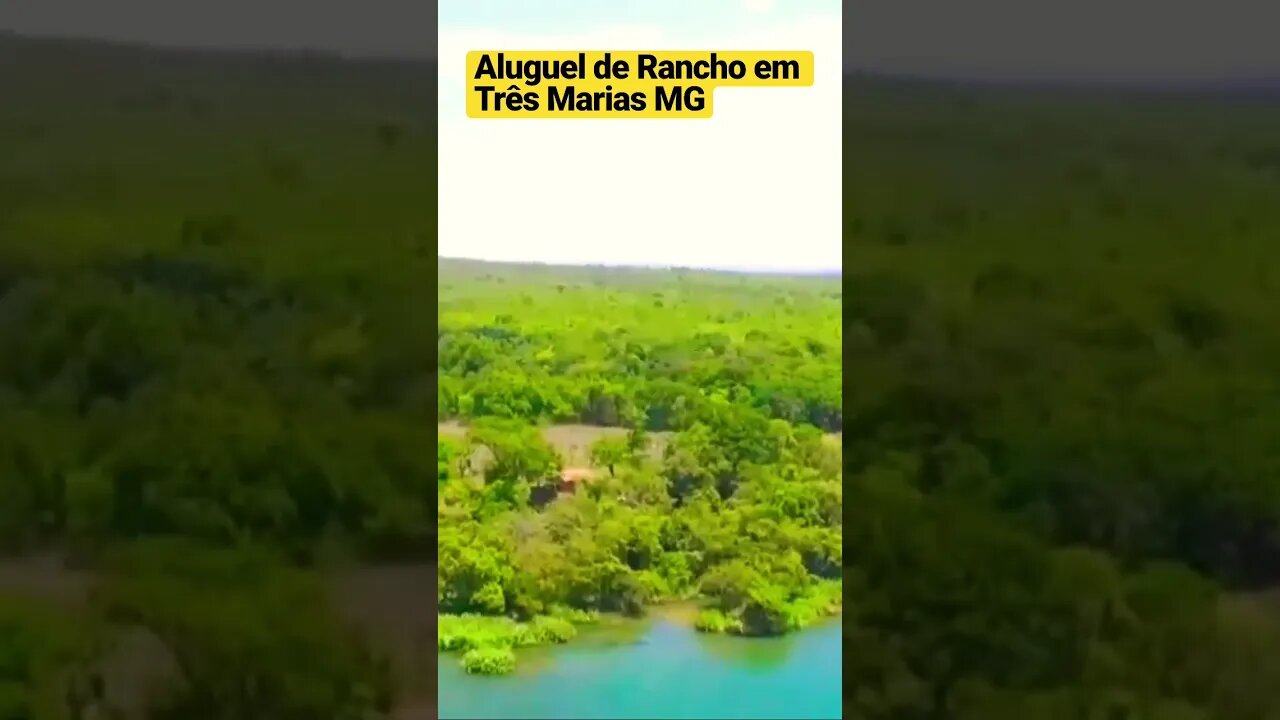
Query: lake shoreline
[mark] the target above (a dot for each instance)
(660, 667)
(680, 613)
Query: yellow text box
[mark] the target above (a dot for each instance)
(620, 83)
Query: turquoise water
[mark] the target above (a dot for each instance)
(658, 669)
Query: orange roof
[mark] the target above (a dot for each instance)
(576, 474)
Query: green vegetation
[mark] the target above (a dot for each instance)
(656, 351)
(487, 642)
(467, 632)
(251, 637)
(489, 660)
(1059, 335)
(721, 489)
(216, 379)
(39, 648)
(215, 370)
(1061, 355)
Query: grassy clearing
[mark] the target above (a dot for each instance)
(573, 442)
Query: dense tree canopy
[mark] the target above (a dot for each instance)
(723, 487)
(654, 351)
(1052, 366)
(1060, 362)
(215, 372)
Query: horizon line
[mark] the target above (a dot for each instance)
(734, 269)
(1269, 79)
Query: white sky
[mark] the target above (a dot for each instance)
(756, 186)
(1080, 39)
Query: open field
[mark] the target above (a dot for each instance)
(573, 442)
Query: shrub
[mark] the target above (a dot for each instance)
(711, 620)
(489, 661)
(468, 632)
(552, 630)
(574, 615)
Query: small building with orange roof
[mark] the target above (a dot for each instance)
(571, 477)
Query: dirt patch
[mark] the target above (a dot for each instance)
(418, 711)
(395, 606)
(683, 612)
(136, 659)
(573, 442)
(452, 429)
(137, 665)
(1268, 599)
(45, 577)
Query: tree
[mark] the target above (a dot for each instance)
(609, 452)
(251, 636)
(520, 459)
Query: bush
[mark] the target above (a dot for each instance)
(711, 620)
(489, 661)
(472, 632)
(546, 630)
(574, 615)
(468, 632)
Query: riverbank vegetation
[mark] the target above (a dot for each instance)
(740, 506)
(1061, 358)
